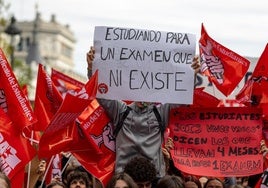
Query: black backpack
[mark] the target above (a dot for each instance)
(156, 113)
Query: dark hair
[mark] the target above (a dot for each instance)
(140, 169)
(6, 179)
(52, 184)
(193, 179)
(77, 175)
(121, 176)
(211, 179)
(170, 181)
(71, 169)
(66, 172)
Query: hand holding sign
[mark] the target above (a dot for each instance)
(90, 58)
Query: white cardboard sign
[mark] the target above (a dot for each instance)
(144, 65)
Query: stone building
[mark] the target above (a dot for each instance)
(49, 43)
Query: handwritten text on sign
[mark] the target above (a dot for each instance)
(144, 65)
(219, 142)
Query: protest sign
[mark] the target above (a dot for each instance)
(144, 65)
(218, 142)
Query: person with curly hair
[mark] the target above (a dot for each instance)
(78, 179)
(170, 181)
(121, 180)
(142, 171)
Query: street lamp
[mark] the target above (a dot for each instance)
(12, 30)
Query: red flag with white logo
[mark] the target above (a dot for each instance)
(96, 125)
(47, 99)
(223, 67)
(16, 151)
(65, 83)
(13, 100)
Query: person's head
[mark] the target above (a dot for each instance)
(191, 182)
(56, 184)
(214, 183)
(121, 180)
(229, 181)
(72, 169)
(4, 181)
(245, 181)
(78, 179)
(170, 181)
(142, 171)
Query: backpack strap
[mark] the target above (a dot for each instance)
(120, 123)
(159, 119)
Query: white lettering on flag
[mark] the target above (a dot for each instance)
(9, 159)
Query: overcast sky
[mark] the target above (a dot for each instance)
(240, 25)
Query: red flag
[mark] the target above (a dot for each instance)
(92, 85)
(24, 89)
(13, 100)
(204, 99)
(89, 90)
(47, 99)
(263, 181)
(19, 179)
(16, 151)
(223, 67)
(62, 134)
(65, 83)
(244, 95)
(255, 90)
(95, 124)
(54, 169)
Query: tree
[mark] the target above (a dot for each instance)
(22, 70)
(3, 21)
(3, 9)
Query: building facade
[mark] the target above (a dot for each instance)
(49, 43)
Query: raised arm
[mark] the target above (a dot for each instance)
(90, 58)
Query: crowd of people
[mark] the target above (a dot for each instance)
(140, 172)
(143, 158)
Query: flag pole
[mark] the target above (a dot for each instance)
(66, 164)
(29, 174)
(30, 163)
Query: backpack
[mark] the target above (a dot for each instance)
(156, 113)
